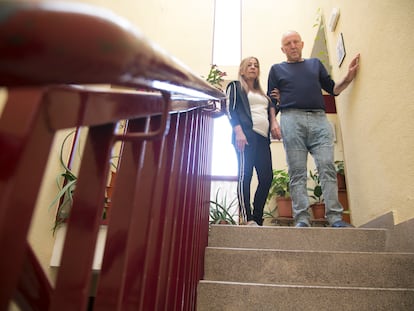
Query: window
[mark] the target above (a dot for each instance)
(224, 162)
(227, 33)
(226, 52)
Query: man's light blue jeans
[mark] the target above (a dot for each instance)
(306, 132)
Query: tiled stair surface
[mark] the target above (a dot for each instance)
(282, 268)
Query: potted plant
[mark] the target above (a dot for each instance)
(342, 193)
(222, 212)
(64, 197)
(318, 207)
(66, 188)
(215, 76)
(340, 173)
(279, 188)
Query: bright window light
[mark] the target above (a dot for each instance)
(224, 162)
(227, 33)
(226, 52)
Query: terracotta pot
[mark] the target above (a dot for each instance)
(346, 217)
(341, 181)
(108, 198)
(284, 206)
(318, 210)
(343, 199)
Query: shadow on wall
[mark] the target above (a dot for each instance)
(399, 237)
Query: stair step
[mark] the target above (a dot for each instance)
(232, 296)
(318, 268)
(361, 269)
(288, 238)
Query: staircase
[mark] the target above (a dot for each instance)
(285, 268)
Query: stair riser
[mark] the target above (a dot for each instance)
(311, 268)
(230, 297)
(329, 239)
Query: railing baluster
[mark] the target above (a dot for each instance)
(72, 284)
(158, 228)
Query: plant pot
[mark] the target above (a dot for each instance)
(343, 199)
(318, 210)
(284, 206)
(346, 217)
(341, 181)
(108, 197)
(223, 222)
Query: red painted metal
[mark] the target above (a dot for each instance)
(179, 212)
(43, 42)
(34, 290)
(25, 151)
(159, 216)
(71, 291)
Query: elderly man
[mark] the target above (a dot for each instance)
(297, 84)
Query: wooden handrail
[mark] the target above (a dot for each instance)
(51, 42)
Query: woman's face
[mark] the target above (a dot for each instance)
(251, 70)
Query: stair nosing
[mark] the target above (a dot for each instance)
(308, 286)
(306, 251)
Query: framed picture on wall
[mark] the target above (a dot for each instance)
(340, 50)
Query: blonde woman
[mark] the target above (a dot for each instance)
(252, 116)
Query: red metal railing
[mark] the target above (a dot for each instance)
(158, 228)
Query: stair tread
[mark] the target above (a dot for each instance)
(272, 237)
(270, 297)
(286, 268)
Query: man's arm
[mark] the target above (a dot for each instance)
(271, 84)
(352, 70)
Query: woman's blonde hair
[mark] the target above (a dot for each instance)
(256, 83)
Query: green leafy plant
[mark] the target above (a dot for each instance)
(316, 191)
(222, 211)
(64, 197)
(280, 184)
(66, 184)
(215, 76)
(279, 188)
(340, 167)
(269, 214)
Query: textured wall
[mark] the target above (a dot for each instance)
(376, 112)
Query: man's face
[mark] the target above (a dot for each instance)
(292, 46)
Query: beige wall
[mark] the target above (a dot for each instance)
(375, 113)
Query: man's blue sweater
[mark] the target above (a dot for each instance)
(300, 84)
